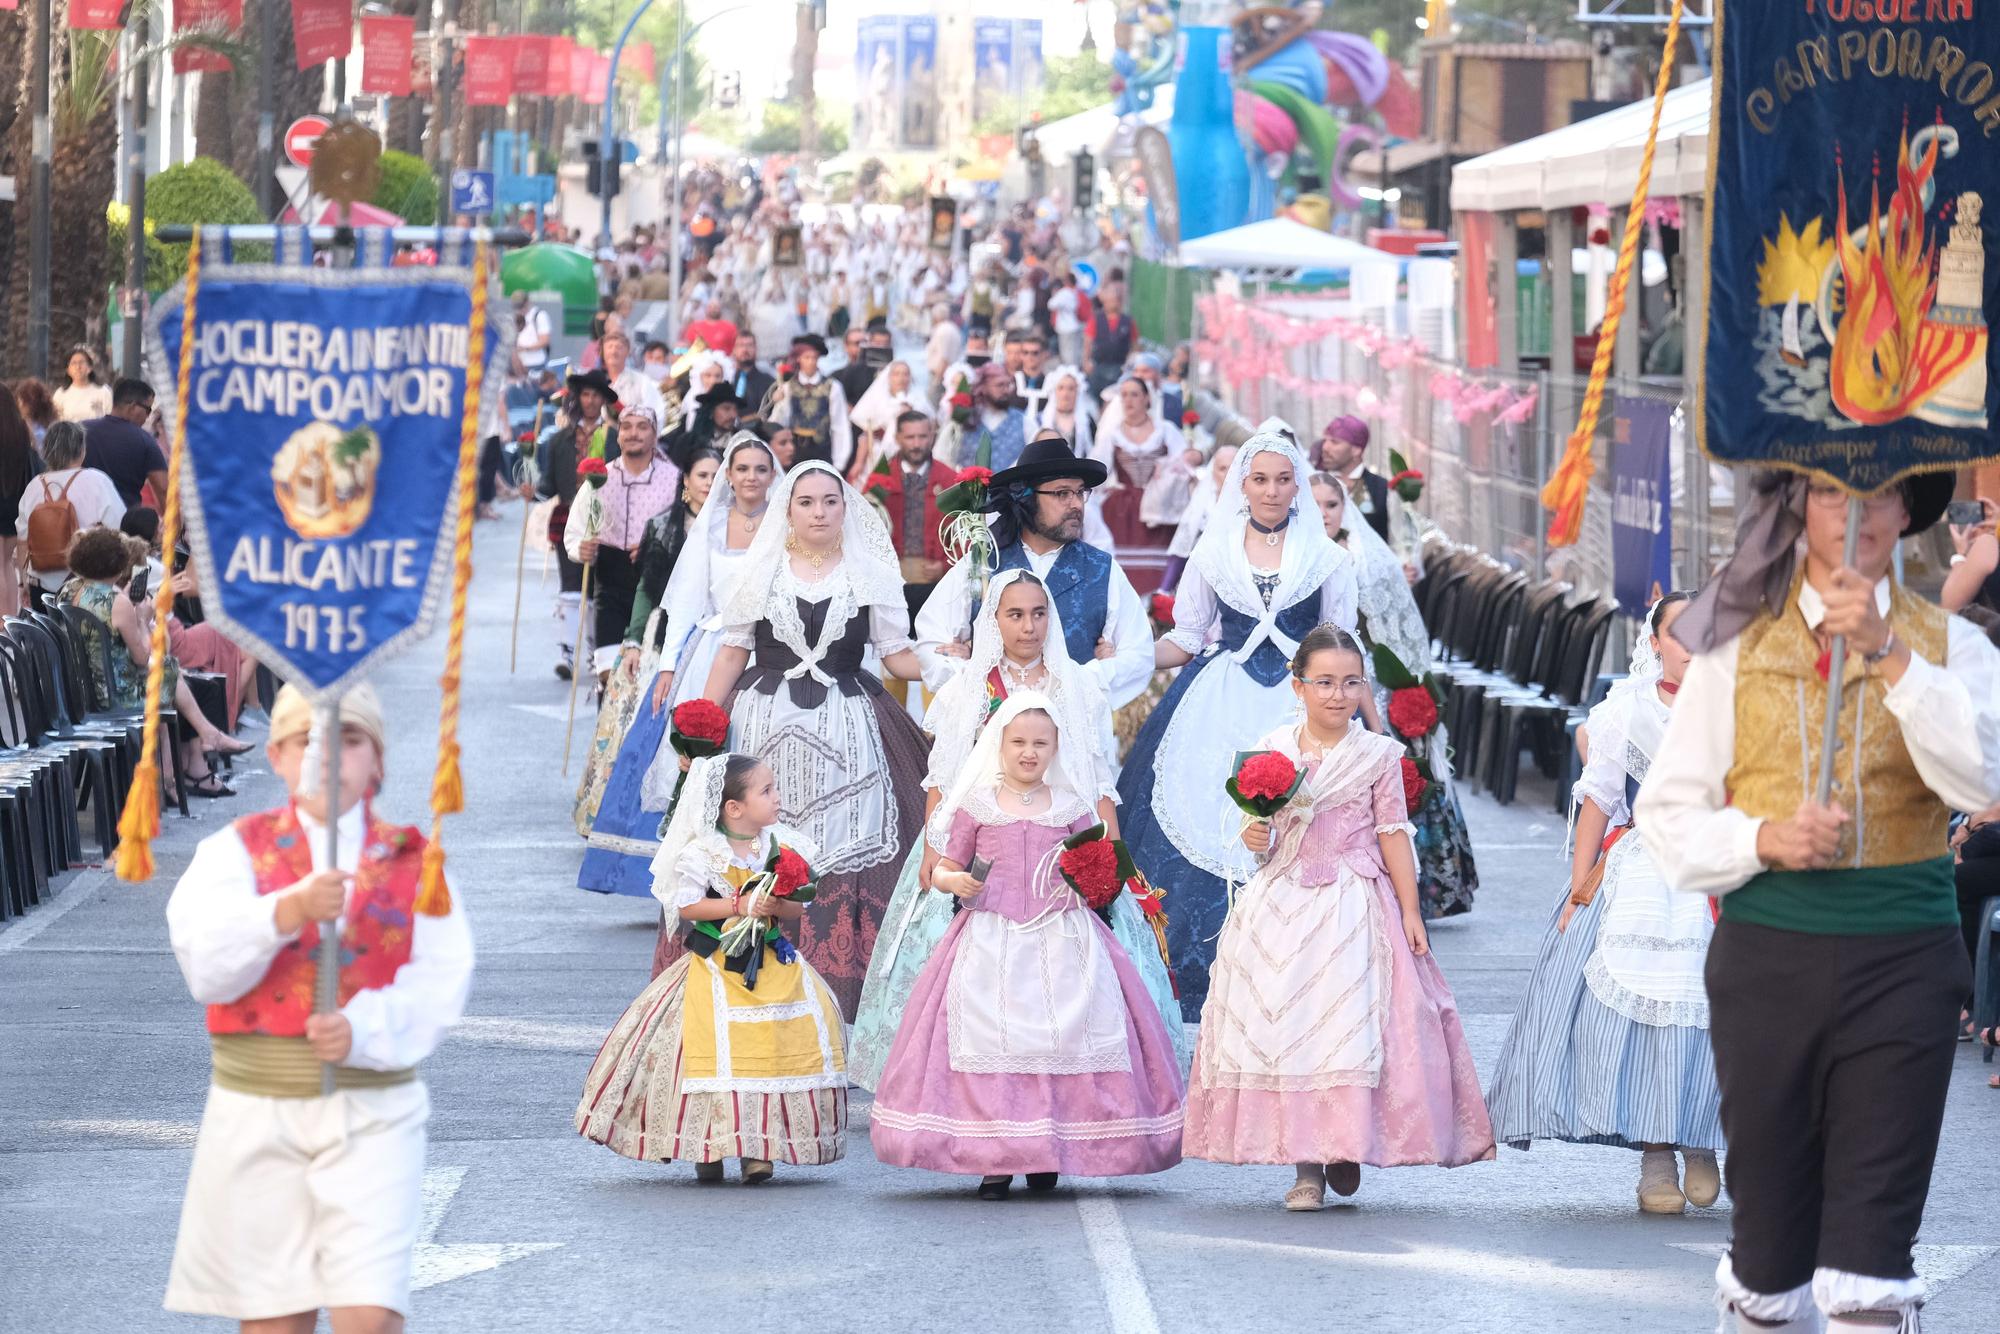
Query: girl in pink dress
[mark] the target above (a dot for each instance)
(1329, 1038)
(1030, 1044)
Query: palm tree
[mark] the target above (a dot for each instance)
(82, 178)
(406, 114)
(225, 126)
(13, 145)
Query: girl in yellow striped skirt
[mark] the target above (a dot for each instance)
(735, 1051)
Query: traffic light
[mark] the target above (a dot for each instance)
(600, 169)
(728, 88)
(1084, 189)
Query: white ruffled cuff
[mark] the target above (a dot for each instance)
(1839, 1292)
(1403, 827)
(1772, 1308)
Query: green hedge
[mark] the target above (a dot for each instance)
(201, 191)
(408, 189)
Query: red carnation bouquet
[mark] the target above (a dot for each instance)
(1405, 481)
(1096, 866)
(1413, 717)
(1416, 786)
(1412, 712)
(787, 875)
(1263, 782)
(697, 728)
(967, 495)
(592, 470)
(961, 408)
(1160, 607)
(1190, 418)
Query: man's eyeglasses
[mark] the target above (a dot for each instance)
(1832, 497)
(1324, 686)
(1063, 495)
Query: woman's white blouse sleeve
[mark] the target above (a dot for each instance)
(1194, 612)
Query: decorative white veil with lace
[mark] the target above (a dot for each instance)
(961, 707)
(976, 789)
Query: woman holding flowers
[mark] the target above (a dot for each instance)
(1392, 630)
(1610, 1045)
(735, 1051)
(818, 588)
(1329, 1038)
(680, 601)
(1030, 1044)
(612, 814)
(1017, 646)
(1257, 582)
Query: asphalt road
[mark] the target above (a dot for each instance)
(103, 1066)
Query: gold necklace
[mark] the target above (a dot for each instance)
(1027, 798)
(816, 559)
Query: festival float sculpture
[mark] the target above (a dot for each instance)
(1303, 102)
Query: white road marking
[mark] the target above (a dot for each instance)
(433, 1263)
(529, 1034)
(166, 1134)
(1938, 1266)
(86, 888)
(1117, 1266)
(553, 712)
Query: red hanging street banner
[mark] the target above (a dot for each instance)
(489, 71)
(556, 79)
(531, 64)
(322, 30)
(582, 60)
(96, 14)
(600, 74)
(388, 44)
(638, 61)
(214, 16)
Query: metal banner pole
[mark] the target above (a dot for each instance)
(326, 980)
(1836, 664)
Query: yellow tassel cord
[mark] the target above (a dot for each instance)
(139, 825)
(1566, 491)
(447, 786)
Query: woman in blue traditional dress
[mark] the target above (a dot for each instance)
(1263, 574)
(1610, 1044)
(626, 833)
(1017, 644)
(1447, 876)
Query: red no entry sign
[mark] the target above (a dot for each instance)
(301, 135)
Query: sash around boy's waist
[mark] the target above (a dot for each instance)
(273, 1067)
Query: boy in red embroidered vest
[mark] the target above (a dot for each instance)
(296, 1200)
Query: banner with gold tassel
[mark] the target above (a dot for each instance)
(1568, 487)
(323, 454)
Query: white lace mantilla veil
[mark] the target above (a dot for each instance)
(1083, 445)
(692, 403)
(1309, 557)
(959, 711)
(1385, 598)
(879, 403)
(1628, 724)
(687, 590)
(693, 820)
(869, 574)
(975, 788)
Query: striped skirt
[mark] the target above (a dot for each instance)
(634, 1105)
(1575, 1069)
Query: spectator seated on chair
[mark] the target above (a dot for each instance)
(100, 565)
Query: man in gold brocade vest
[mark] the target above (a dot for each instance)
(297, 1199)
(1836, 973)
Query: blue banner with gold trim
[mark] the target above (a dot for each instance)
(1854, 148)
(324, 415)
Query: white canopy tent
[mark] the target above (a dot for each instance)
(1094, 129)
(1594, 161)
(1280, 245)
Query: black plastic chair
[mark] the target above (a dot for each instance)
(85, 634)
(1542, 721)
(37, 795)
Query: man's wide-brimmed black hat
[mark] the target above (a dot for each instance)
(811, 340)
(1044, 459)
(1926, 494)
(724, 392)
(595, 379)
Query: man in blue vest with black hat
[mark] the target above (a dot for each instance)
(1038, 508)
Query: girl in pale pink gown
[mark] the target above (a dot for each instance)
(1030, 1043)
(1329, 1038)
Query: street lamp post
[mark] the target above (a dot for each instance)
(607, 143)
(41, 151)
(683, 32)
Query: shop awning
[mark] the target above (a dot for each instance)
(1594, 161)
(1280, 245)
